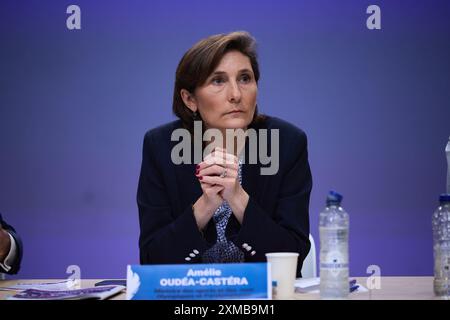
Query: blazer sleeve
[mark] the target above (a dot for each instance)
(15, 266)
(286, 229)
(165, 236)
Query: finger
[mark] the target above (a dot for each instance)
(217, 170)
(228, 158)
(223, 150)
(219, 149)
(216, 188)
(218, 158)
(211, 188)
(222, 153)
(214, 191)
(204, 184)
(207, 160)
(218, 180)
(225, 155)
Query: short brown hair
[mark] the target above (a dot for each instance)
(201, 60)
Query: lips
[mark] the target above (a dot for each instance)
(234, 111)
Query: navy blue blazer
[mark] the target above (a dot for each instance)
(275, 219)
(16, 263)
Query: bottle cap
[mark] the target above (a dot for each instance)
(444, 197)
(334, 198)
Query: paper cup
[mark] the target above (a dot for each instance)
(283, 267)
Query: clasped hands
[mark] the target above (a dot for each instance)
(219, 180)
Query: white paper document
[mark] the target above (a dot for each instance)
(312, 285)
(56, 285)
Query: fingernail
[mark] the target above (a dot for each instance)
(197, 171)
(197, 167)
(200, 178)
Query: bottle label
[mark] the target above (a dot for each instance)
(442, 266)
(333, 250)
(334, 262)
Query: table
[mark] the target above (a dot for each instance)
(392, 288)
(88, 283)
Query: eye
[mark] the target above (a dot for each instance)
(245, 78)
(217, 80)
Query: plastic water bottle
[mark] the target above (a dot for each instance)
(441, 247)
(333, 230)
(447, 151)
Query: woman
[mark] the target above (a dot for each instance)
(10, 249)
(222, 208)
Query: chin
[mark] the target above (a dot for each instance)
(235, 124)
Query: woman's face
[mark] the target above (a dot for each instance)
(228, 97)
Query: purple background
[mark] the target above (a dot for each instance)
(74, 106)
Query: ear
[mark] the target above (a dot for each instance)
(189, 100)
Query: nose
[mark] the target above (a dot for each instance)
(234, 94)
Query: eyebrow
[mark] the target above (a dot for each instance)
(223, 72)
